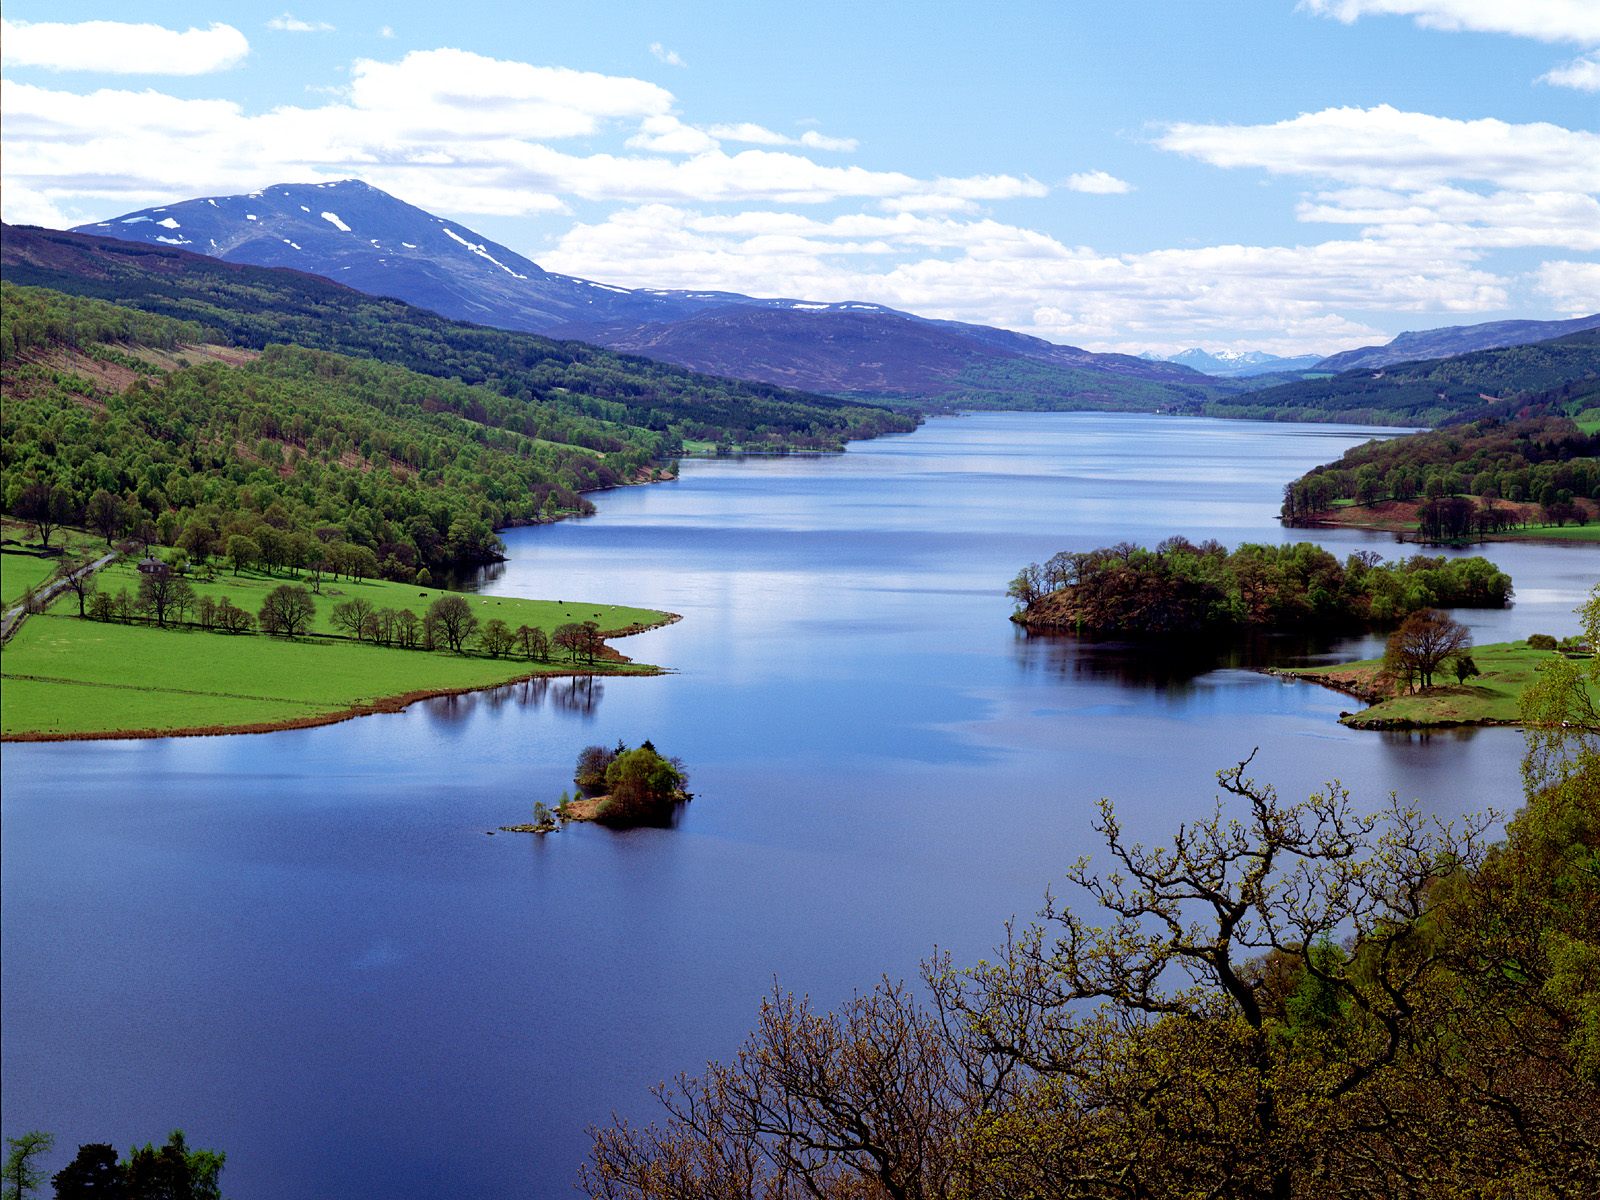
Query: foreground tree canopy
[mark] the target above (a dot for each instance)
(168, 1172)
(1180, 587)
(1289, 999)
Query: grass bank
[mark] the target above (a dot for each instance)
(1400, 516)
(66, 677)
(1491, 698)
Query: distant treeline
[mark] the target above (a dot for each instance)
(1546, 460)
(1180, 587)
(1430, 392)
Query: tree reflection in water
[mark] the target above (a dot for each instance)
(576, 696)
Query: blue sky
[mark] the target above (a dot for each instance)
(1149, 175)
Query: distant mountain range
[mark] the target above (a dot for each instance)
(1237, 364)
(1431, 391)
(360, 236)
(1453, 340)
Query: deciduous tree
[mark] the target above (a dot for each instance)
(453, 618)
(287, 611)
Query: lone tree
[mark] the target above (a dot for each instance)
(496, 638)
(287, 611)
(352, 616)
(452, 617)
(1424, 640)
(22, 1176)
(163, 594)
(44, 506)
(533, 642)
(79, 580)
(578, 640)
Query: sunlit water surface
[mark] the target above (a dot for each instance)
(303, 949)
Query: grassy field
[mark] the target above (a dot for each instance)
(64, 676)
(249, 589)
(21, 568)
(1489, 698)
(20, 572)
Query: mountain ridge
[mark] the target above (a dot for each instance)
(356, 234)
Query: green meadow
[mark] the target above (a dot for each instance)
(1490, 698)
(62, 675)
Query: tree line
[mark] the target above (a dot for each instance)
(167, 1172)
(1462, 471)
(1181, 587)
(166, 599)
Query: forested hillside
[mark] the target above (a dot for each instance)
(112, 420)
(255, 306)
(1473, 477)
(1427, 393)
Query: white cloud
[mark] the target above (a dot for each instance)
(1385, 147)
(813, 140)
(759, 135)
(457, 130)
(993, 273)
(386, 31)
(1547, 20)
(1449, 216)
(671, 57)
(116, 47)
(1581, 73)
(1573, 287)
(1098, 183)
(289, 23)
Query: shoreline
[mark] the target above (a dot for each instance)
(382, 704)
(1408, 536)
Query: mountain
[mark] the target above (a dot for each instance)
(1432, 391)
(1238, 364)
(1453, 340)
(254, 307)
(360, 236)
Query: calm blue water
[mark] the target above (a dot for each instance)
(303, 949)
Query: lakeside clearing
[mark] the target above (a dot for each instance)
(67, 677)
(1401, 517)
(1492, 698)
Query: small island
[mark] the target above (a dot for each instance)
(619, 786)
(1184, 588)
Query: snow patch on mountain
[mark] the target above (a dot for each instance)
(479, 250)
(333, 219)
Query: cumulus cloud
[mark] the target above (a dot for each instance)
(117, 47)
(671, 57)
(996, 273)
(759, 135)
(1450, 216)
(1386, 147)
(1098, 183)
(1572, 287)
(1547, 20)
(454, 128)
(1581, 73)
(289, 23)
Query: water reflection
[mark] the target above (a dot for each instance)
(569, 696)
(1172, 665)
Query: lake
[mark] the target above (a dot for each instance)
(303, 949)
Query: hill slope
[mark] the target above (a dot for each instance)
(1453, 340)
(1429, 392)
(254, 306)
(363, 237)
